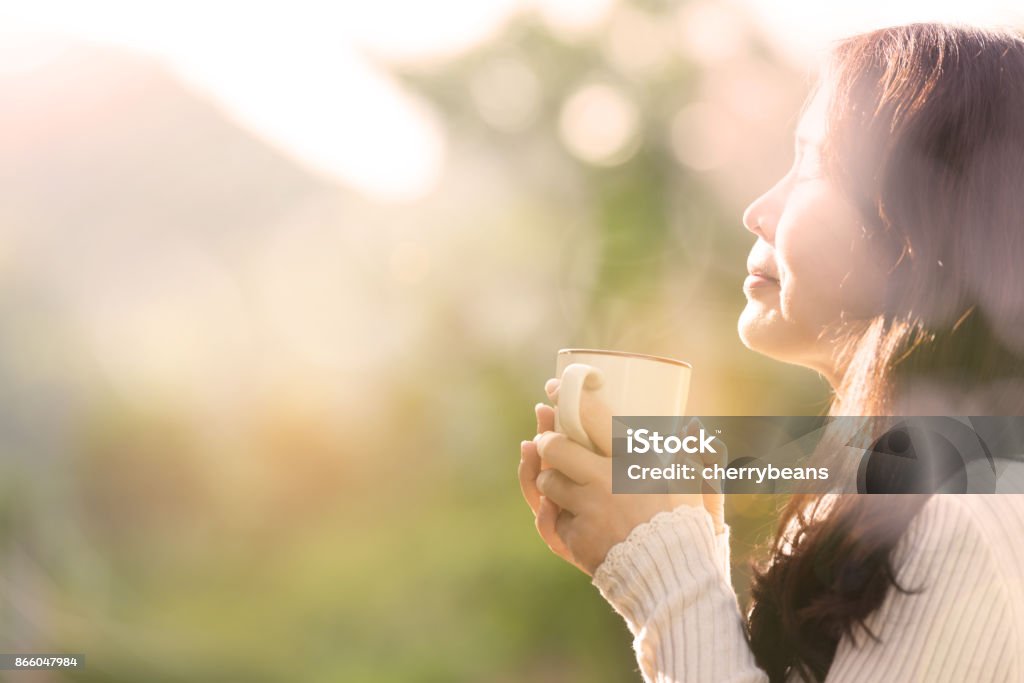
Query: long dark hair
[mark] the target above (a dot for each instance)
(926, 137)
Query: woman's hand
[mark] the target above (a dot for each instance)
(568, 487)
(529, 467)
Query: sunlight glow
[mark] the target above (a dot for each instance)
(709, 32)
(298, 73)
(803, 29)
(573, 19)
(292, 73)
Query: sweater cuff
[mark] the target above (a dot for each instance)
(675, 553)
(722, 553)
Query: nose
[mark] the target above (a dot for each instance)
(762, 215)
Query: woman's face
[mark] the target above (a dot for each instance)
(811, 266)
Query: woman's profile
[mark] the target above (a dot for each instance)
(890, 259)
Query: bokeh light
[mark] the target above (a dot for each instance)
(600, 125)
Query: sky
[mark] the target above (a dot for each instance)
(296, 74)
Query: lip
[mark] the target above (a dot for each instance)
(762, 268)
(759, 281)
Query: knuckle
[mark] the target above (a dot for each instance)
(549, 444)
(556, 485)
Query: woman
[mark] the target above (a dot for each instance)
(888, 259)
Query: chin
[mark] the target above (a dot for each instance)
(763, 329)
(755, 326)
(766, 331)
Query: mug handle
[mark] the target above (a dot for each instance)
(575, 378)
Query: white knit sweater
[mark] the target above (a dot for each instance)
(670, 581)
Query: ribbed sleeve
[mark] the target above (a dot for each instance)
(960, 622)
(669, 581)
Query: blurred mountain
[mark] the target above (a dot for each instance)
(100, 143)
(132, 210)
(138, 223)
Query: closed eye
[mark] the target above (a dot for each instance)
(808, 165)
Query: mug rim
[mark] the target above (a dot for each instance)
(646, 356)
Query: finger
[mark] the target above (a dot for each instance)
(529, 468)
(547, 525)
(545, 418)
(547, 516)
(560, 489)
(564, 527)
(551, 389)
(568, 457)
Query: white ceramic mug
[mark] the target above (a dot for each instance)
(629, 383)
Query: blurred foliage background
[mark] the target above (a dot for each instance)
(259, 426)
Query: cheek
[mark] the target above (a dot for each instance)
(862, 295)
(828, 269)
